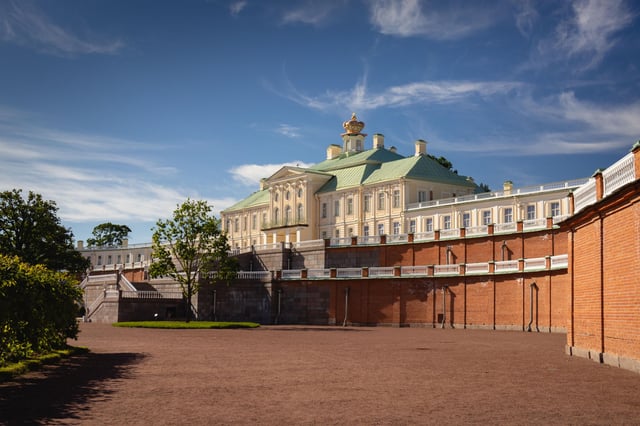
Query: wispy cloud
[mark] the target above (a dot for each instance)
(250, 174)
(359, 98)
(526, 16)
(587, 35)
(437, 20)
(236, 7)
(22, 23)
(289, 131)
(311, 12)
(85, 175)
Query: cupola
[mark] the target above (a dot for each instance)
(353, 138)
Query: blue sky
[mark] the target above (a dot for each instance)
(120, 110)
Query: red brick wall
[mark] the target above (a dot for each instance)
(603, 271)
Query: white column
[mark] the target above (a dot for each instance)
(298, 235)
(274, 238)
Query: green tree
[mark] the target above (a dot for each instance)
(108, 234)
(31, 230)
(38, 309)
(189, 246)
(443, 162)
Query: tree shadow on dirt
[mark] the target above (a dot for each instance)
(64, 390)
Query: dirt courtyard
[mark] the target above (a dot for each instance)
(321, 375)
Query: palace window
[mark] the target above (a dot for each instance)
(555, 209)
(422, 196)
(287, 195)
(381, 229)
(336, 208)
(428, 224)
(446, 221)
(365, 230)
(236, 225)
(109, 260)
(486, 217)
(324, 235)
(367, 203)
(531, 212)
(139, 258)
(244, 223)
(287, 215)
(337, 233)
(264, 219)
(396, 228)
(381, 201)
(412, 226)
(99, 260)
(119, 261)
(350, 232)
(324, 210)
(128, 258)
(276, 215)
(299, 192)
(508, 215)
(275, 197)
(396, 198)
(466, 220)
(254, 220)
(300, 212)
(349, 206)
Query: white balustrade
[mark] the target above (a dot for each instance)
(318, 273)
(424, 236)
(346, 241)
(500, 228)
(560, 261)
(369, 239)
(535, 263)
(397, 238)
(348, 273)
(449, 233)
(477, 268)
(506, 266)
(446, 269)
(476, 230)
(291, 274)
(384, 271)
(619, 174)
(414, 270)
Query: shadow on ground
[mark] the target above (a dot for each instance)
(62, 391)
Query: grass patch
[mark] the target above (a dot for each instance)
(186, 325)
(34, 363)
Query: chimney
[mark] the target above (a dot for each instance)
(507, 186)
(263, 182)
(378, 141)
(421, 147)
(80, 244)
(125, 242)
(333, 151)
(393, 149)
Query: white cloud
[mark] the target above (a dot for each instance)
(311, 12)
(250, 174)
(289, 131)
(587, 35)
(236, 7)
(526, 16)
(24, 24)
(437, 20)
(433, 92)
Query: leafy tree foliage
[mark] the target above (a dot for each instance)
(108, 234)
(38, 309)
(443, 162)
(189, 246)
(484, 187)
(31, 230)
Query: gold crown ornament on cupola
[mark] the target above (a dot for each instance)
(352, 139)
(353, 126)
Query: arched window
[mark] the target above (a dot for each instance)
(287, 195)
(276, 215)
(287, 214)
(300, 212)
(275, 197)
(299, 192)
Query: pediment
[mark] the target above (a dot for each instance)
(291, 173)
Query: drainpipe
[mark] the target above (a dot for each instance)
(346, 306)
(279, 291)
(444, 305)
(504, 248)
(531, 288)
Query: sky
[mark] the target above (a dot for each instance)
(120, 110)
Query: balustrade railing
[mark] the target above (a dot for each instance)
(384, 271)
(476, 230)
(535, 263)
(369, 239)
(449, 233)
(506, 266)
(618, 174)
(424, 236)
(414, 270)
(397, 238)
(446, 269)
(500, 228)
(585, 195)
(477, 268)
(345, 241)
(318, 273)
(560, 261)
(348, 272)
(534, 223)
(309, 243)
(291, 274)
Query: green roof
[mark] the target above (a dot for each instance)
(351, 159)
(257, 198)
(415, 167)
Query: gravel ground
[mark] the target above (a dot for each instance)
(321, 375)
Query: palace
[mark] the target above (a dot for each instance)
(370, 237)
(367, 193)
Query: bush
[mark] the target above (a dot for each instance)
(38, 309)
